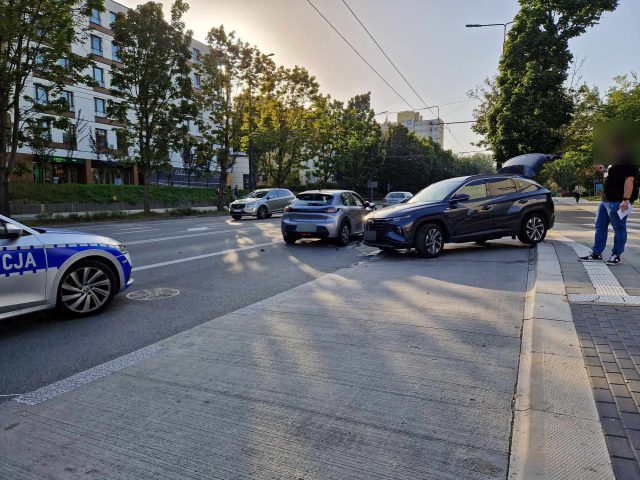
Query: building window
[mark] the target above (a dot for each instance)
(68, 97)
(45, 125)
(63, 62)
(196, 80)
(101, 138)
(98, 75)
(42, 95)
(69, 137)
(121, 141)
(114, 52)
(195, 55)
(113, 16)
(95, 16)
(101, 107)
(96, 45)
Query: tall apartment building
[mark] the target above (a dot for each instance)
(96, 141)
(432, 128)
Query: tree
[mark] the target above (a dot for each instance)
(530, 106)
(152, 83)
(224, 72)
(406, 161)
(360, 143)
(36, 38)
(327, 131)
(285, 122)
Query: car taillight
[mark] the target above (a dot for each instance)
(330, 210)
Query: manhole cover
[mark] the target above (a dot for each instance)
(153, 294)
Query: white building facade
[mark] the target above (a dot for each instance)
(85, 153)
(433, 128)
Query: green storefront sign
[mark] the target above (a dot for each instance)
(57, 159)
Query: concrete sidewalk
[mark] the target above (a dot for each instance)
(395, 368)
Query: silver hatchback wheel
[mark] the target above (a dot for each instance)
(344, 235)
(86, 288)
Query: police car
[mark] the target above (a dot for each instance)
(43, 268)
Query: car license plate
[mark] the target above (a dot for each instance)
(306, 228)
(369, 235)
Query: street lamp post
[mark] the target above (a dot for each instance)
(503, 25)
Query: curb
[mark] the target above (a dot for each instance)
(556, 427)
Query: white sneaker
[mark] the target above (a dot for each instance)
(614, 260)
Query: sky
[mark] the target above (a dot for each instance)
(426, 39)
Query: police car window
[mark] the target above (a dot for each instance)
(476, 189)
(525, 185)
(501, 186)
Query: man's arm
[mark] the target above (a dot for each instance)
(628, 190)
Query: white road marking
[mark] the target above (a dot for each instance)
(189, 235)
(206, 255)
(197, 229)
(608, 288)
(79, 379)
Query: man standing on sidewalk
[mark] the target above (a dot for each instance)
(618, 190)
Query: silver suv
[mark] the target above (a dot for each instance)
(393, 198)
(261, 203)
(335, 214)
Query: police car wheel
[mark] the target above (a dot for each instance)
(86, 288)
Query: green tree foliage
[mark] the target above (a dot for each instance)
(326, 138)
(226, 71)
(36, 37)
(528, 107)
(623, 99)
(285, 123)
(152, 83)
(575, 167)
(360, 145)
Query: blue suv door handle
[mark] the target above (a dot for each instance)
(486, 207)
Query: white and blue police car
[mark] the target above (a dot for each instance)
(43, 268)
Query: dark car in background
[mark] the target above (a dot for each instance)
(464, 209)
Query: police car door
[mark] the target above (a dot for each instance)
(23, 268)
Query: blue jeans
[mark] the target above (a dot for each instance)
(608, 214)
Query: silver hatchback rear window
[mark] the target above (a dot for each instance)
(316, 198)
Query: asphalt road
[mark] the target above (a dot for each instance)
(217, 264)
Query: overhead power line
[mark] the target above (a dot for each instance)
(359, 54)
(398, 70)
(387, 56)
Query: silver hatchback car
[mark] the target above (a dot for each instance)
(261, 203)
(335, 214)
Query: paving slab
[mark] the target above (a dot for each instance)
(394, 368)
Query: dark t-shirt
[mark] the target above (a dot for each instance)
(614, 179)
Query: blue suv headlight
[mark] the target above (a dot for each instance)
(401, 219)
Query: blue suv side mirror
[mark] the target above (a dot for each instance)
(459, 197)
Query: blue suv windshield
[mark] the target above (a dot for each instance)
(436, 191)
